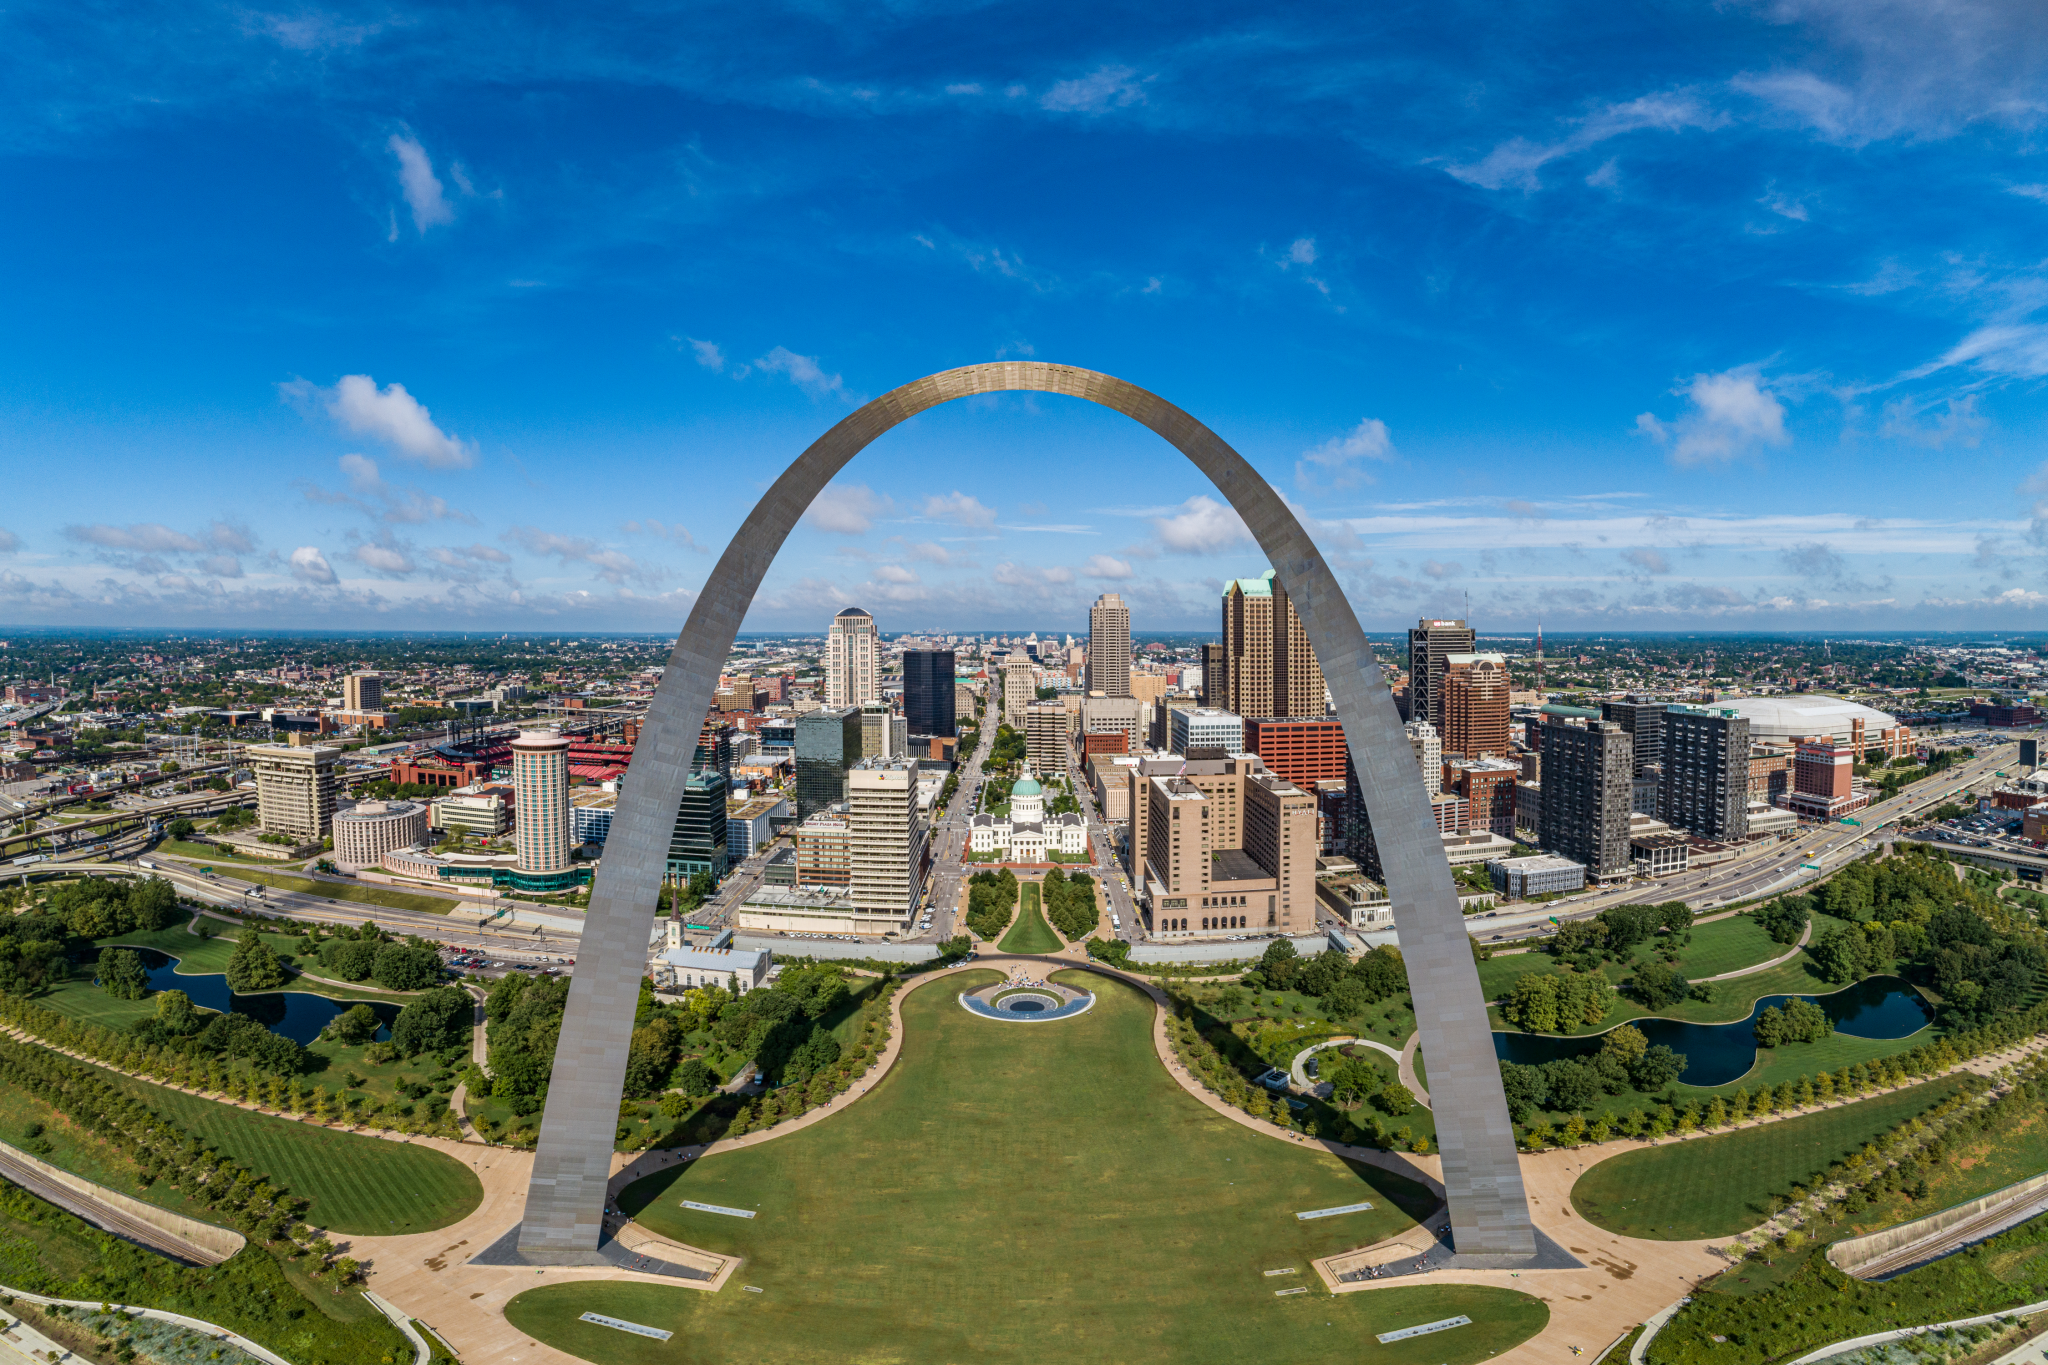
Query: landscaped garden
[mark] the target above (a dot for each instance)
(1030, 934)
(1025, 1191)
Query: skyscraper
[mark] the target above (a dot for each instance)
(1045, 738)
(853, 663)
(1429, 754)
(1644, 721)
(1109, 646)
(1269, 667)
(1020, 689)
(1475, 690)
(1430, 644)
(540, 792)
(362, 692)
(1215, 690)
(296, 790)
(1705, 788)
(928, 698)
(1588, 772)
(828, 742)
(886, 838)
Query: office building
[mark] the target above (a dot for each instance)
(1824, 782)
(828, 742)
(1536, 875)
(1705, 754)
(1475, 688)
(1109, 647)
(590, 816)
(367, 831)
(929, 699)
(886, 840)
(853, 659)
(698, 843)
(1020, 689)
(540, 787)
(750, 825)
(1202, 728)
(1215, 689)
(1159, 728)
(1429, 754)
(1644, 723)
(1304, 751)
(1588, 772)
(1045, 737)
(1430, 646)
(1488, 786)
(362, 692)
(1224, 847)
(296, 788)
(1269, 666)
(1113, 715)
(883, 733)
(824, 850)
(481, 810)
(714, 749)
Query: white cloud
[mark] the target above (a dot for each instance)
(384, 558)
(1517, 161)
(2039, 192)
(803, 371)
(1202, 524)
(708, 354)
(895, 573)
(9, 542)
(1957, 422)
(2012, 350)
(1106, 566)
(1109, 87)
(148, 537)
(1732, 415)
(674, 531)
(391, 415)
(1784, 205)
(846, 509)
(461, 555)
(417, 180)
(1337, 458)
(1441, 571)
(613, 566)
(959, 508)
(1646, 560)
(310, 566)
(370, 494)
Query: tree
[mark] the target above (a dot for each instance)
(176, 1015)
(406, 967)
(1656, 1068)
(348, 958)
(435, 1019)
(1532, 1004)
(180, 828)
(253, 966)
(1842, 955)
(1658, 985)
(354, 1026)
(1395, 1100)
(652, 1053)
(695, 1078)
(122, 975)
(1784, 919)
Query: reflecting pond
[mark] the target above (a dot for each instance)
(297, 1015)
(1880, 1007)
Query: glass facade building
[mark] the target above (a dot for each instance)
(928, 691)
(828, 742)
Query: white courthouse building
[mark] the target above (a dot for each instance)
(1027, 833)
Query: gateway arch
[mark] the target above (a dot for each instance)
(1482, 1179)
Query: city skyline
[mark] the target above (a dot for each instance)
(1629, 343)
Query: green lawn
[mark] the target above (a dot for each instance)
(1029, 933)
(1718, 1186)
(358, 1184)
(1047, 1192)
(208, 854)
(342, 891)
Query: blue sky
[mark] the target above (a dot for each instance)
(1634, 317)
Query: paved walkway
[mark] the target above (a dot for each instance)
(261, 1353)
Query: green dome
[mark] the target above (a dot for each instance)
(1026, 787)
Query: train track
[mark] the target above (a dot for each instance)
(1987, 1224)
(106, 1217)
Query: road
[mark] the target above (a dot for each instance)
(1108, 868)
(1769, 869)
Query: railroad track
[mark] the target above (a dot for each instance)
(1992, 1221)
(104, 1216)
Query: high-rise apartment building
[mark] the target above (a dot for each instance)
(1488, 788)
(928, 695)
(824, 851)
(1109, 646)
(296, 788)
(1303, 751)
(886, 839)
(1475, 688)
(1430, 646)
(1268, 665)
(1823, 780)
(1020, 689)
(699, 841)
(1429, 754)
(1045, 737)
(362, 692)
(1705, 790)
(1588, 772)
(853, 659)
(1644, 722)
(540, 790)
(828, 742)
(1215, 690)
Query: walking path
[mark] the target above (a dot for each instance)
(1805, 935)
(264, 1354)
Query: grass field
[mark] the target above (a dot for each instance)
(358, 1184)
(1029, 933)
(1048, 1192)
(342, 891)
(1719, 1186)
(208, 854)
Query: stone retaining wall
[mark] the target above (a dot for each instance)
(1848, 1255)
(221, 1241)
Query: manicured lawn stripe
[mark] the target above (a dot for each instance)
(1718, 1186)
(1030, 933)
(1025, 1192)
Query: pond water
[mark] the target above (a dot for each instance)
(1880, 1007)
(295, 1014)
